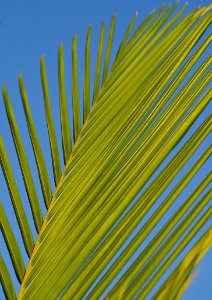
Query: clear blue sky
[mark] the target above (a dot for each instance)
(31, 28)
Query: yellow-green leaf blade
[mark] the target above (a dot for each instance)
(125, 227)
(126, 35)
(6, 280)
(23, 162)
(87, 76)
(197, 226)
(16, 200)
(75, 91)
(65, 128)
(41, 166)
(180, 278)
(98, 64)
(12, 245)
(108, 49)
(50, 124)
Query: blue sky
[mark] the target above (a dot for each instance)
(29, 29)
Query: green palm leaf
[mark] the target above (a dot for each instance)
(113, 176)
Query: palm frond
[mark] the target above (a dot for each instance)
(117, 171)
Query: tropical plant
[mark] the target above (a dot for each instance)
(126, 152)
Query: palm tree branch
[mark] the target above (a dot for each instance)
(135, 122)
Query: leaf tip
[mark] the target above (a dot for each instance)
(5, 94)
(4, 90)
(103, 25)
(89, 31)
(20, 79)
(74, 40)
(42, 59)
(60, 48)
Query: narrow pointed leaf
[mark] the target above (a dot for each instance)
(75, 92)
(16, 200)
(98, 64)
(65, 127)
(12, 245)
(108, 49)
(126, 35)
(23, 162)
(87, 76)
(142, 28)
(6, 281)
(41, 166)
(50, 124)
